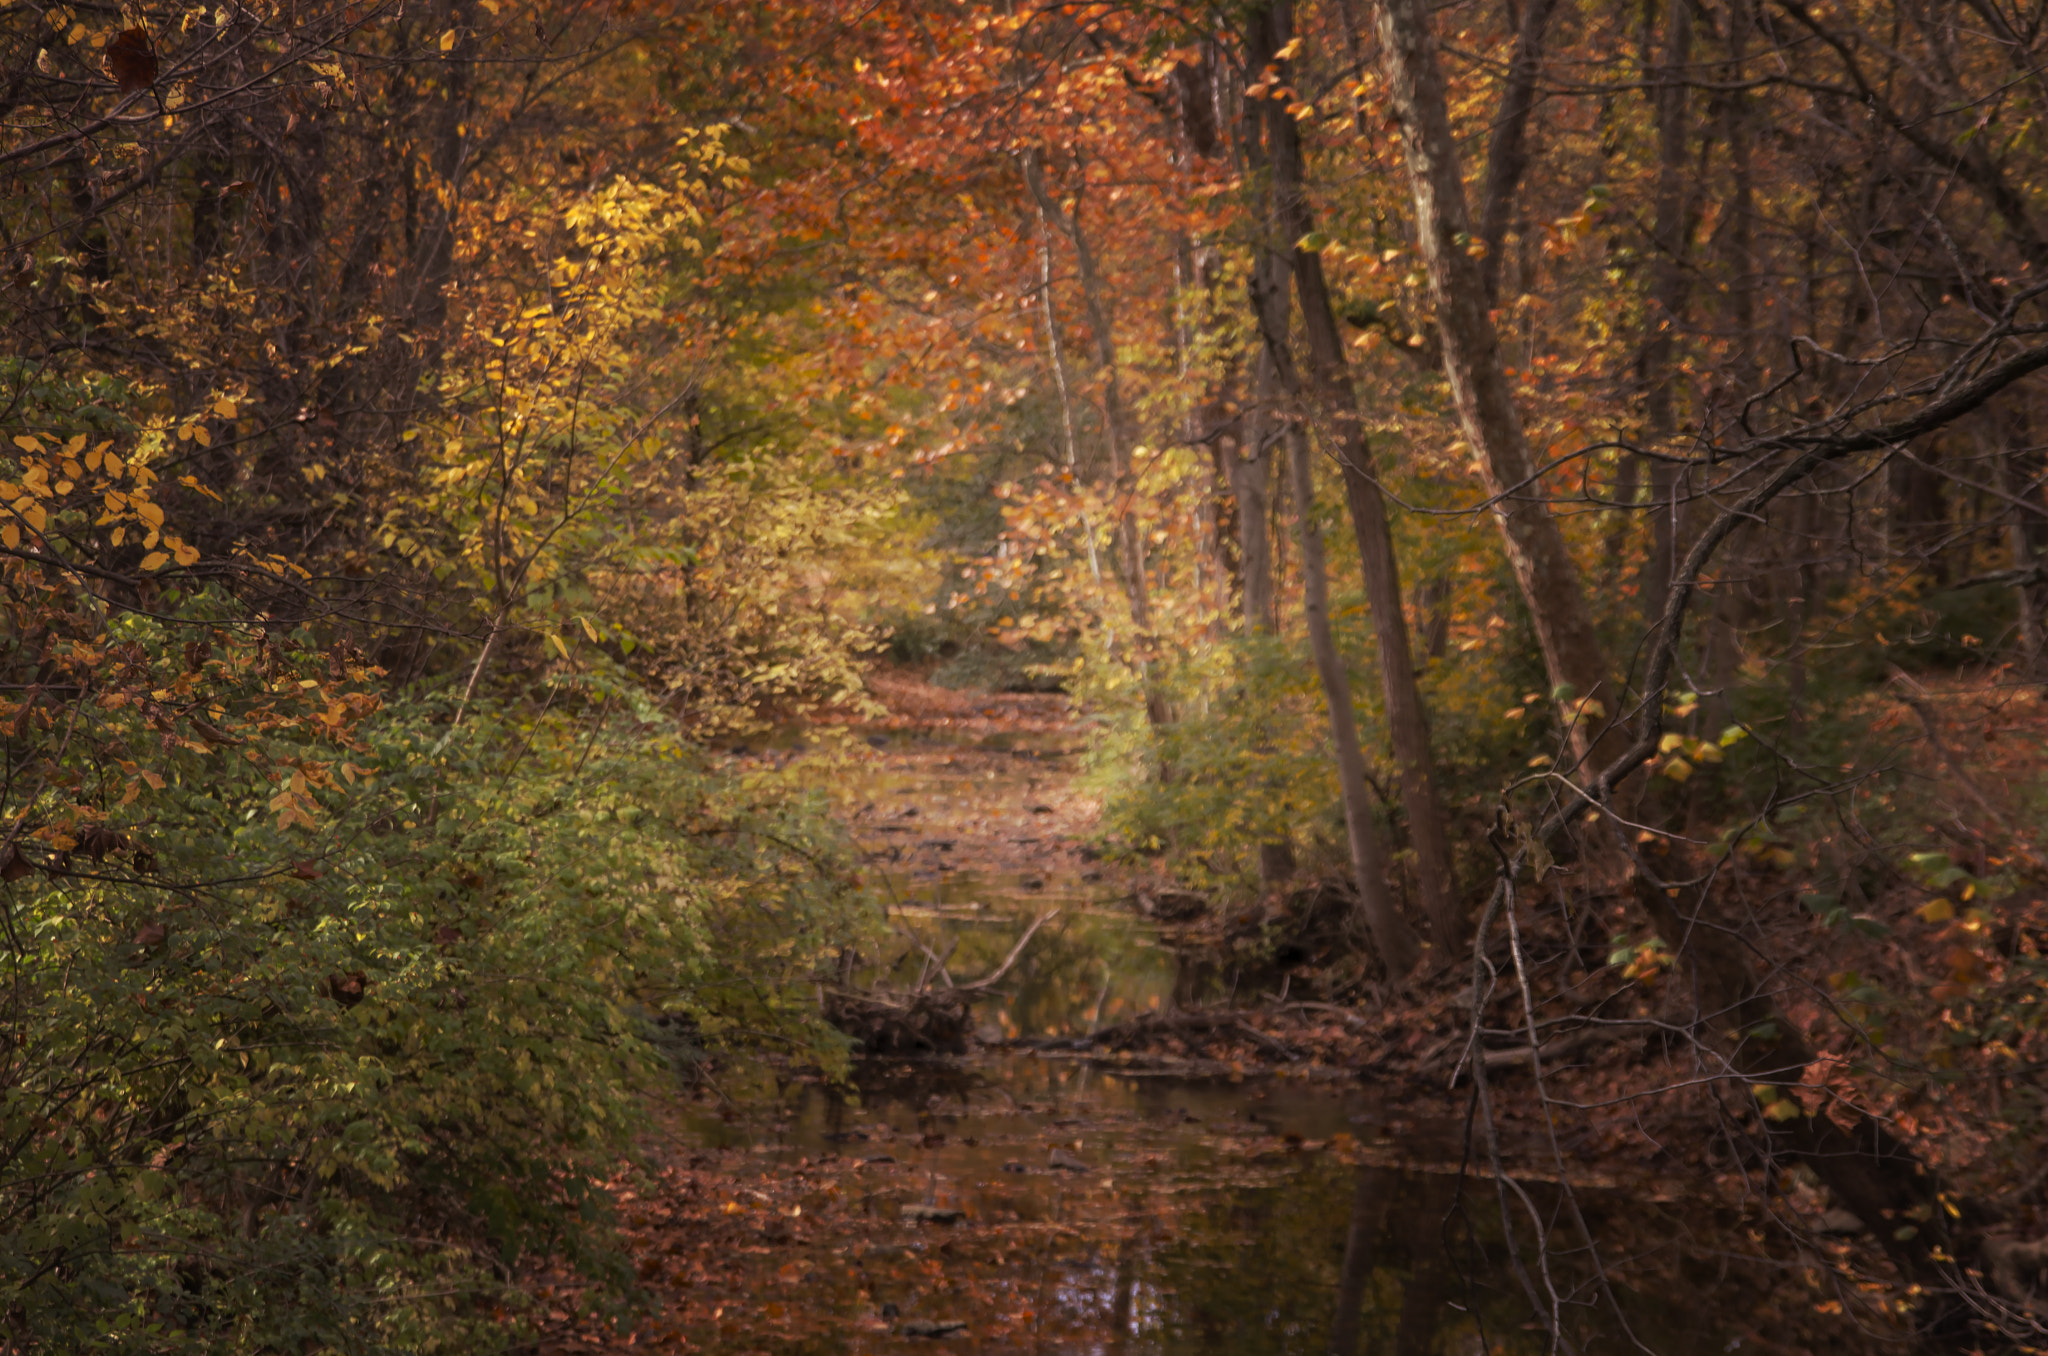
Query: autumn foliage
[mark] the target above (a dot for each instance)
(1554, 469)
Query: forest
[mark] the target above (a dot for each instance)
(1525, 515)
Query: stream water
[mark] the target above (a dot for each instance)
(1015, 1202)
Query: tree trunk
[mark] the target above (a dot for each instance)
(1056, 355)
(1344, 431)
(1507, 154)
(1251, 478)
(1669, 246)
(1126, 533)
(2019, 475)
(1254, 474)
(1391, 936)
(1251, 481)
(1536, 551)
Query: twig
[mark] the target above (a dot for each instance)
(1015, 952)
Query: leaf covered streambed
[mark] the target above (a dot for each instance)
(1045, 1202)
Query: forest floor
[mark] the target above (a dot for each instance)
(951, 1197)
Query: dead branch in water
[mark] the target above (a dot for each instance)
(922, 1020)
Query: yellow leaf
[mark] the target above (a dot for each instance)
(186, 555)
(224, 407)
(27, 442)
(1936, 911)
(156, 783)
(557, 642)
(10, 535)
(201, 436)
(448, 41)
(154, 560)
(1670, 742)
(149, 513)
(1677, 770)
(588, 629)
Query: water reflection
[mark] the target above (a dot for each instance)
(1248, 1219)
(1021, 1204)
(1096, 963)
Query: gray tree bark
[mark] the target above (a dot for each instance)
(1543, 567)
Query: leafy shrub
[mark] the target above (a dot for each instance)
(321, 1017)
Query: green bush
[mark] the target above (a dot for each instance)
(325, 1029)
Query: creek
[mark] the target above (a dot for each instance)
(1013, 1201)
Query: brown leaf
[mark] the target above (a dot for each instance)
(446, 936)
(131, 60)
(13, 866)
(306, 871)
(28, 706)
(151, 934)
(97, 840)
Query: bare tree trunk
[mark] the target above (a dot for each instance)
(1257, 502)
(1407, 718)
(1126, 533)
(1391, 936)
(1669, 246)
(1057, 355)
(1507, 154)
(1251, 478)
(1344, 431)
(1535, 546)
(2019, 474)
(1252, 467)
